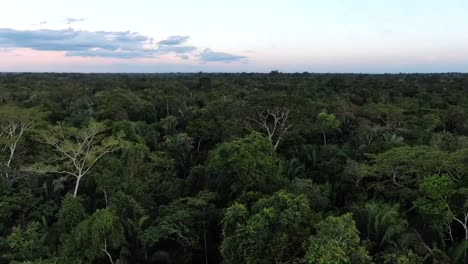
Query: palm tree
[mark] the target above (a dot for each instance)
(383, 223)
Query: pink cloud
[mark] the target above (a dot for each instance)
(24, 59)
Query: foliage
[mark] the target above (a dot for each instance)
(94, 235)
(79, 149)
(337, 241)
(272, 230)
(233, 168)
(27, 243)
(71, 214)
(244, 165)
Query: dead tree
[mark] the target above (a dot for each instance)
(12, 132)
(274, 123)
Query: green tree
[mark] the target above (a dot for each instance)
(318, 195)
(272, 230)
(70, 214)
(79, 149)
(202, 130)
(243, 165)
(96, 236)
(327, 123)
(179, 147)
(337, 241)
(438, 197)
(406, 257)
(185, 221)
(169, 124)
(403, 167)
(433, 203)
(384, 225)
(28, 242)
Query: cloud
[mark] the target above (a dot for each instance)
(70, 20)
(120, 44)
(177, 49)
(173, 44)
(121, 54)
(183, 56)
(106, 44)
(174, 40)
(5, 50)
(209, 55)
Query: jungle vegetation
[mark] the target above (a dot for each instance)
(233, 168)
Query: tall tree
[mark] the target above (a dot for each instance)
(327, 123)
(15, 122)
(79, 149)
(274, 123)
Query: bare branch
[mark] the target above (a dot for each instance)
(14, 131)
(274, 122)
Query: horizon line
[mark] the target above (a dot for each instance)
(228, 72)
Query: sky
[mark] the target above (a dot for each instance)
(356, 36)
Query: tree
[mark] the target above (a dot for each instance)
(97, 235)
(327, 123)
(405, 257)
(239, 173)
(271, 230)
(15, 122)
(318, 195)
(70, 214)
(119, 104)
(180, 146)
(403, 167)
(337, 241)
(274, 122)
(202, 129)
(435, 205)
(243, 165)
(426, 126)
(383, 223)
(79, 149)
(169, 124)
(433, 202)
(129, 172)
(391, 116)
(185, 221)
(27, 243)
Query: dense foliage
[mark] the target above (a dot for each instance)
(233, 168)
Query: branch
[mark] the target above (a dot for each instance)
(107, 252)
(65, 172)
(109, 149)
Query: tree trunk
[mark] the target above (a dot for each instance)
(324, 138)
(107, 252)
(105, 198)
(204, 236)
(76, 185)
(12, 152)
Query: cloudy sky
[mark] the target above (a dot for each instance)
(371, 36)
